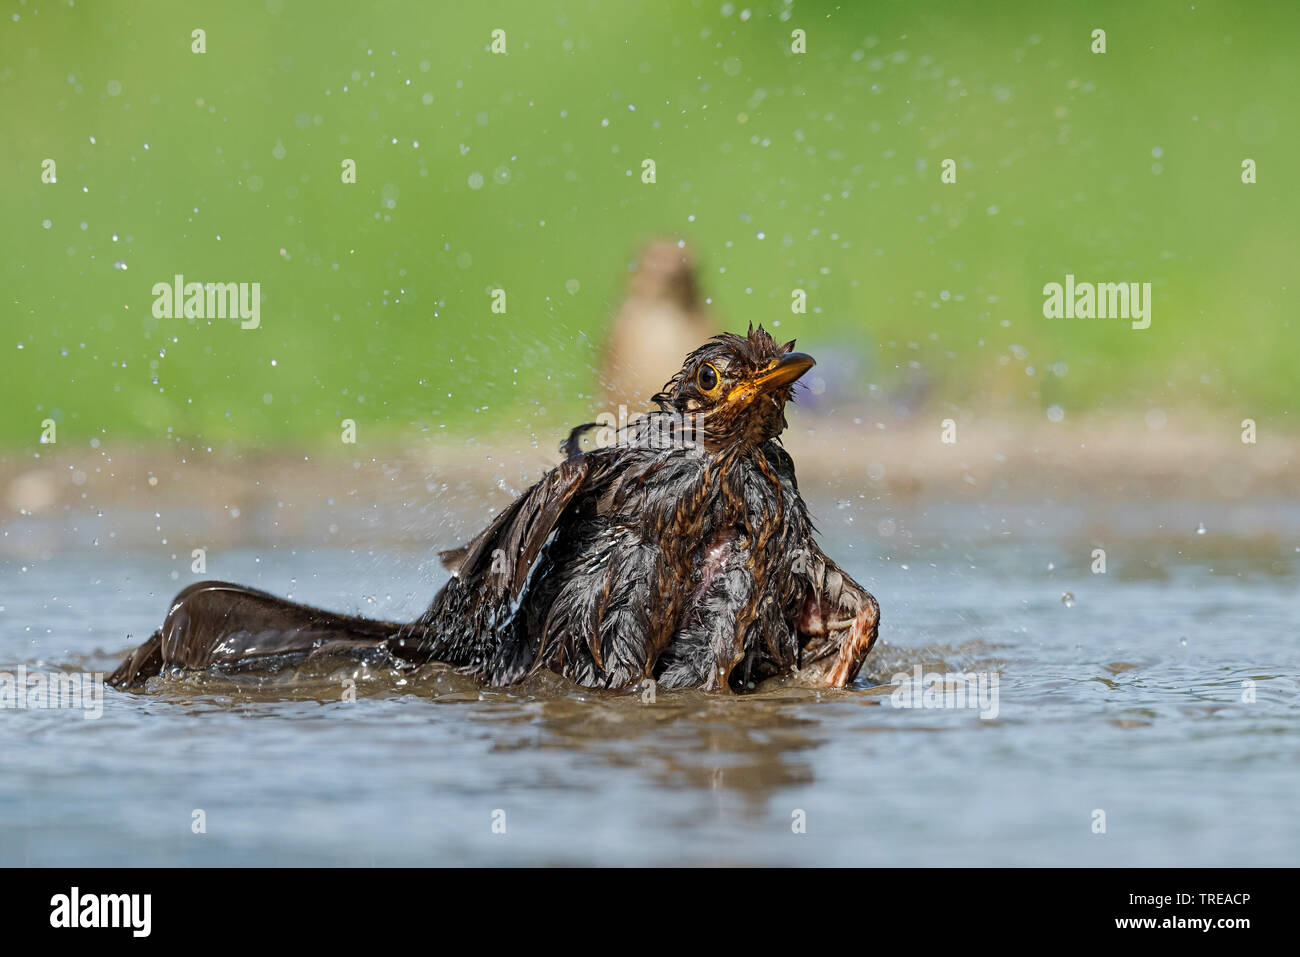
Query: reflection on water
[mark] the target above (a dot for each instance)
(1164, 694)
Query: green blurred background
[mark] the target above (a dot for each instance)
(819, 171)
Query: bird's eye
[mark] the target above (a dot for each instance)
(707, 377)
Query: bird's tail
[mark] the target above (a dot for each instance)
(141, 665)
(233, 627)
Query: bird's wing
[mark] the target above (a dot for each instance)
(840, 620)
(470, 621)
(505, 551)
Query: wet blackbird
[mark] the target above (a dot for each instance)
(677, 548)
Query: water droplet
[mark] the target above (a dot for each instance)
(1067, 599)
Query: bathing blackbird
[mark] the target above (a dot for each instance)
(676, 549)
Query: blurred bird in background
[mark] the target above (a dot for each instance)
(661, 319)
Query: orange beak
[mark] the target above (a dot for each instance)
(786, 370)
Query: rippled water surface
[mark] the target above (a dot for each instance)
(1125, 693)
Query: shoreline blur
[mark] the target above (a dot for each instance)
(430, 492)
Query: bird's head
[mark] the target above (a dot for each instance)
(736, 387)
